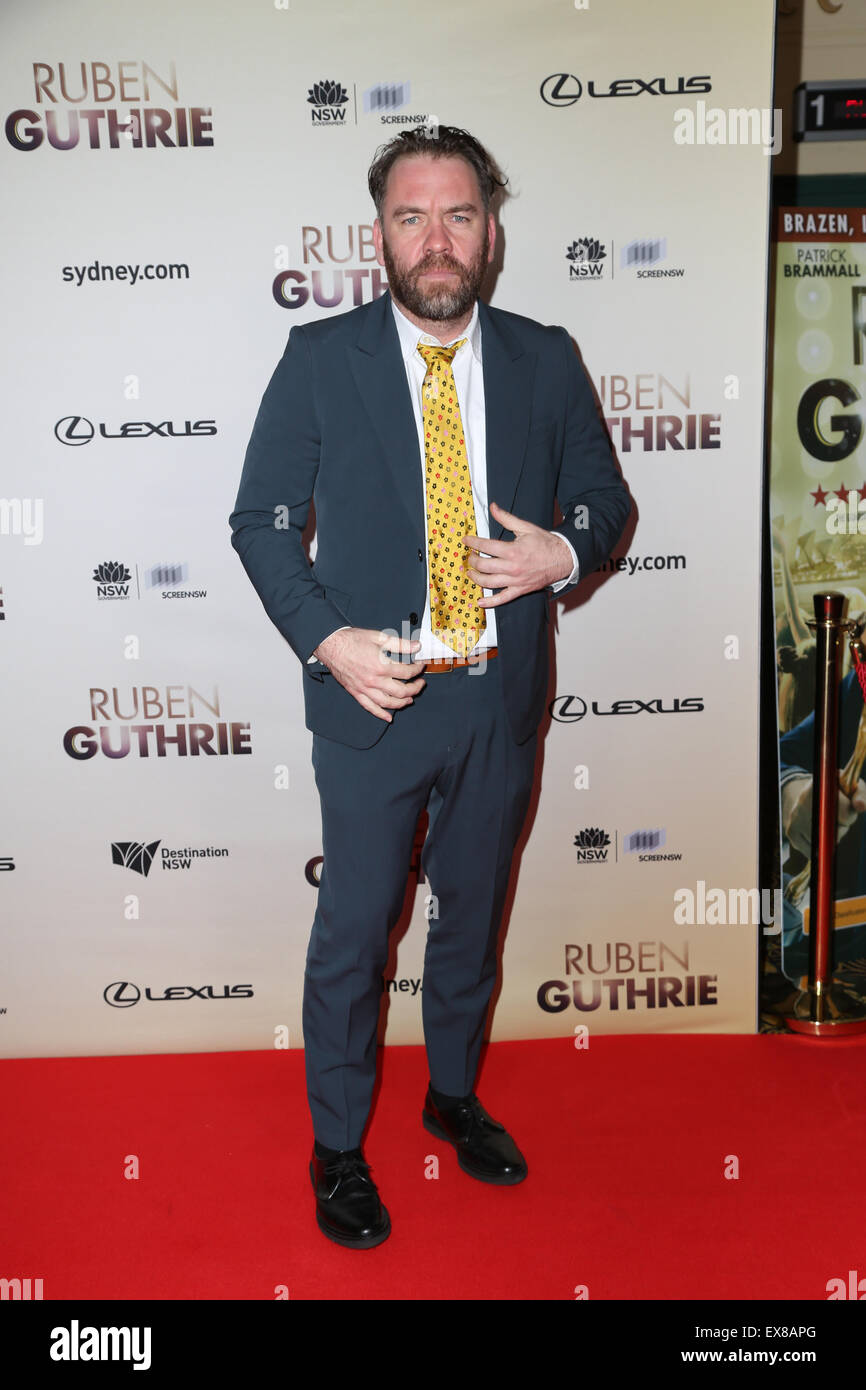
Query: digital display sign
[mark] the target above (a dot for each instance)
(830, 110)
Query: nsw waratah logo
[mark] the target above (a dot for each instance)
(592, 845)
(112, 580)
(130, 854)
(328, 100)
(586, 257)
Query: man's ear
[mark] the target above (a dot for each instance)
(377, 241)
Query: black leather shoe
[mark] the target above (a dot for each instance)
(348, 1209)
(485, 1149)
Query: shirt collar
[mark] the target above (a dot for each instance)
(410, 333)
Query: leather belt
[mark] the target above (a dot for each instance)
(441, 665)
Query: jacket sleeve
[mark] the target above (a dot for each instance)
(594, 500)
(273, 504)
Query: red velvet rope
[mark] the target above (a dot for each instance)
(859, 667)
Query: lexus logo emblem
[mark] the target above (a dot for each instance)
(121, 995)
(561, 89)
(74, 430)
(567, 709)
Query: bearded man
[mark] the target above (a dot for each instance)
(433, 434)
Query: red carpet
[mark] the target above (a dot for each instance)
(627, 1143)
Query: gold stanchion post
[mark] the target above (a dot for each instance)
(822, 1011)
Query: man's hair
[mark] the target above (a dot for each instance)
(447, 141)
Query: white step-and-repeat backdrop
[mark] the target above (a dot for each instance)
(182, 185)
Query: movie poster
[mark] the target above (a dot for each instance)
(818, 516)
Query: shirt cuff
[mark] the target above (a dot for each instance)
(311, 660)
(575, 573)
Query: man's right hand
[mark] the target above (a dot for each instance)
(359, 659)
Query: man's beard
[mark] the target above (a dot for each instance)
(439, 301)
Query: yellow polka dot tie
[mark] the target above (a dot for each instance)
(455, 615)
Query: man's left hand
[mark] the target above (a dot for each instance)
(534, 559)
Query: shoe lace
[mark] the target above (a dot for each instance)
(478, 1118)
(347, 1165)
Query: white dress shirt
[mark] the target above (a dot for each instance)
(469, 381)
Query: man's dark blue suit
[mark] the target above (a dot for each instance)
(336, 426)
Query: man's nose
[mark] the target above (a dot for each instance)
(437, 239)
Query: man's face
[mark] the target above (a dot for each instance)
(433, 238)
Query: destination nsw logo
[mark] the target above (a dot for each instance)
(145, 720)
(627, 975)
(138, 856)
(107, 106)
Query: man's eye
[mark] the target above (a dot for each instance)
(407, 220)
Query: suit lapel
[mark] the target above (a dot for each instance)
(509, 372)
(380, 375)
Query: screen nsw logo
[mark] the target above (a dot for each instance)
(590, 259)
(116, 582)
(642, 256)
(593, 845)
(648, 847)
(385, 103)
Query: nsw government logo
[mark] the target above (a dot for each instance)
(329, 102)
(592, 845)
(586, 258)
(115, 581)
(112, 580)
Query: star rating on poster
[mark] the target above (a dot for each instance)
(841, 492)
(844, 510)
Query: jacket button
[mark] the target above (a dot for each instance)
(413, 618)
(421, 555)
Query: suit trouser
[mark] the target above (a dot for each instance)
(451, 751)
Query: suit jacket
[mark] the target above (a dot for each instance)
(336, 426)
